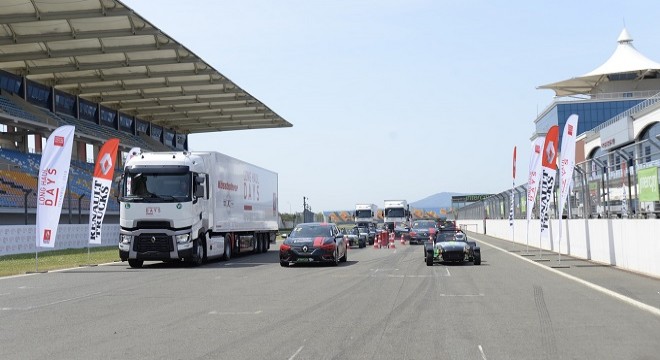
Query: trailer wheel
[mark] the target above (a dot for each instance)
(257, 244)
(227, 255)
(135, 263)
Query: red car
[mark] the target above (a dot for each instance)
(314, 242)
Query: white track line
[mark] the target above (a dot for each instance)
(481, 350)
(296, 353)
(638, 304)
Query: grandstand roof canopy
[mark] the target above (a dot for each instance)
(625, 60)
(103, 51)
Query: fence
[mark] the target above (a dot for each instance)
(618, 184)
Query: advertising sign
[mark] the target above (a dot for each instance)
(647, 180)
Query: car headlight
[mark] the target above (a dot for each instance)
(182, 239)
(126, 239)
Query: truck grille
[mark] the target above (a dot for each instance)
(153, 242)
(153, 225)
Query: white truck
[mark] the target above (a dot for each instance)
(395, 212)
(194, 206)
(366, 215)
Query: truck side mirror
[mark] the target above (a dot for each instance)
(199, 190)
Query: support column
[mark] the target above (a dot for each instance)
(37, 144)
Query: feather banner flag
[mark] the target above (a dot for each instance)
(101, 185)
(548, 174)
(52, 182)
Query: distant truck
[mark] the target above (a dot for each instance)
(194, 206)
(396, 212)
(366, 215)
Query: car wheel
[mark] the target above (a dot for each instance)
(477, 260)
(345, 257)
(429, 259)
(135, 264)
(335, 258)
(284, 263)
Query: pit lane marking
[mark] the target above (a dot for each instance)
(236, 313)
(481, 350)
(27, 308)
(638, 304)
(392, 276)
(296, 353)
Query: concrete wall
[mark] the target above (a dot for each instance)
(19, 239)
(631, 244)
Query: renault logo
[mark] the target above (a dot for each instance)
(305, 248)
(153, 239)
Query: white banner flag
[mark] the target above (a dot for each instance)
(513, 185)
(101, 185)
(534, 174)
(548, 174)
(51, 183)
(567, 161)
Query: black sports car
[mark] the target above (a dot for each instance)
(454, 246)
(420, 231)
(314, 242)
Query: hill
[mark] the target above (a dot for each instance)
(439, 200)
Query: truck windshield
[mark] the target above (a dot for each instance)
(363, 213)
(162, 187)
(394, 212)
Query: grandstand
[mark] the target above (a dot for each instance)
(108, 71)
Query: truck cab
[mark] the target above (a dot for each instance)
(163, 213)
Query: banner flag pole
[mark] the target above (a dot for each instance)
(566, 167)
(533, 179)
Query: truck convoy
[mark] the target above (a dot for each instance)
(366, 215)
(395, 212)
(194, 206)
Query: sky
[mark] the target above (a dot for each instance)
(396, 99)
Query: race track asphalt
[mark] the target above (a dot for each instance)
(381, 304)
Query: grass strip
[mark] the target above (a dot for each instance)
(56, 259)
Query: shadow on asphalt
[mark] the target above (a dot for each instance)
(322, 264)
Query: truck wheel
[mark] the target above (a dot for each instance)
(429, 259)
(198, 252)
(135, 264)
(227, 255)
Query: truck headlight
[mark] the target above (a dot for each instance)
(182, 239)
(126, 239)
